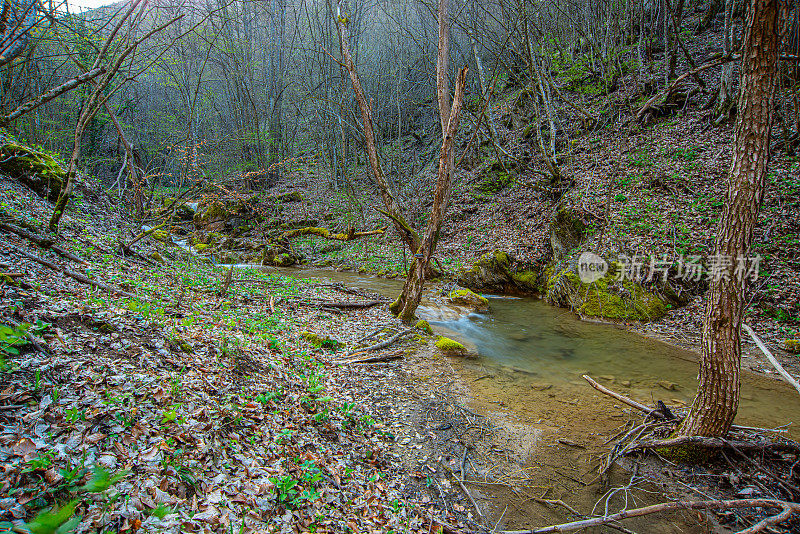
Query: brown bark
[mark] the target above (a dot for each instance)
(407, 234)
(717, 400)
(412, 291)
(406, 304)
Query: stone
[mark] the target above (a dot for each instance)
(450, 347)
(567, 231)
(470, 299)
(37, 170)
(490, 273)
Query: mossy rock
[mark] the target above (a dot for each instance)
(202, 247)
(792, 346)
(450, 347)
(155, 256)
(490, 273)
(39, 171)
(494, 179)
(470, 299)
(607, 297)
(423, 325)
(212, 217)
(321, 342)
(527, 280)
(292, 196)
(160, 235)
(284, 260)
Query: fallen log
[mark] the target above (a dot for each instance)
(44, 242)
(787, 509)
(326, 234)
(77, 276)
(772, 360)
(694, 72)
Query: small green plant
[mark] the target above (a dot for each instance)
(40, 463)
(284, 487)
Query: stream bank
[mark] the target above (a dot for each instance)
(523, 425)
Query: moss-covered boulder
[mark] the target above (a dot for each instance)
(494, 178)
(284, 260)
(39, 171)
(423, 325)
(607, 297)
(527, 280)
(160, 235)
(450, 347)
(211, 218)
(567, 231)
(491, 273)
(469, 299)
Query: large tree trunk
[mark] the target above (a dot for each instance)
(406, 232)
(717, 400)
(412, 290)
(409, 299)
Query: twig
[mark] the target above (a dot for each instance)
(382, 344)
(674, 506)
(789, 378)
(77, 276)
(42, 241)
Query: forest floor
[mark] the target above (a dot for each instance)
(175, 399)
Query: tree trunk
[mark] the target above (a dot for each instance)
(717, 399)
(409, 299)
(725, 99)
(406, 232)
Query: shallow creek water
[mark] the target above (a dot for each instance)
(527, 379)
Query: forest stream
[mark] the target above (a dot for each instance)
(526, 378)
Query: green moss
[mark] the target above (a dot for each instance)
(466, 297)
(284, 260)
(394, 307)
(200, 247)
(449, 347)
(160, 235)
(320, 341)
(37, 170)
(493, 181)
(607, 297)
(423, 325)
(156, 256)
(526, 280)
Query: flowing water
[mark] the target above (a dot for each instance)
(527, 375)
